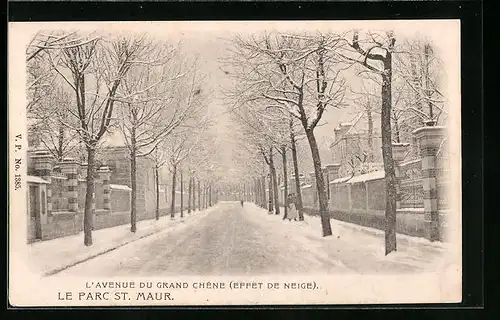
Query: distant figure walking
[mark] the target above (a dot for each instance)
(241, 202)
(292, 208)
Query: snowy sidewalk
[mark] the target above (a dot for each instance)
(52, 256)
(359, 248)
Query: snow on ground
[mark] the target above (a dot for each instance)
(226, 242)
(48, 257)
(240, 241)
(358, 248)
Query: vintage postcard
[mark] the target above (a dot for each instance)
(234, 163)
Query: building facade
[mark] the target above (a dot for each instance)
(356, 148)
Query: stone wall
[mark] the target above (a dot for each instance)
(422, 185)
(120, 200)
(66, 192)
(59, 201)
(64, 224)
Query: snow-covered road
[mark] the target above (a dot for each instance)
(232, 240)
(226, 241)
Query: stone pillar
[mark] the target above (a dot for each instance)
(429, 139)
(399, 151)
(105, 175)
(42, 161)
(333, 171)
(83, 169)
(56, 168)
(69, 167)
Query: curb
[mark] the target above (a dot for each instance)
(92, 256)
(104, 251)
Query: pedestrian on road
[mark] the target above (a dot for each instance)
(241, 201)
(292, 208)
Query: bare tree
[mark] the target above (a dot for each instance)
(40, 72)
(180, 146)
(293, 148)
(47, 124)
(105, 65)
(39, 87)
(198, 159)
(377, 59)
(420, 70)
(301, 75)
(261, 128)
(148, 109)
(159, 158)
(54, 40)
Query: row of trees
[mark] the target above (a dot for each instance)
(284, 83)
(84, 87)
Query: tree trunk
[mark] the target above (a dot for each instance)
(285, 182)
(264, 195)
(210, 195)
(203, 196)
(182, 196)
(199, 195)
(157, 179)
(172, 201)
(261, 202)
(297, 177)
(320, 185)
(252, 191)
(133, 182)
(390, 175)
(270, 191)
(88, 214)
(275, 184)
(193, 195)
(189, 195)
(256, 192)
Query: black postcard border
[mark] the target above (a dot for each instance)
(471, 16)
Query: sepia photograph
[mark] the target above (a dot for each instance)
(235, 163)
